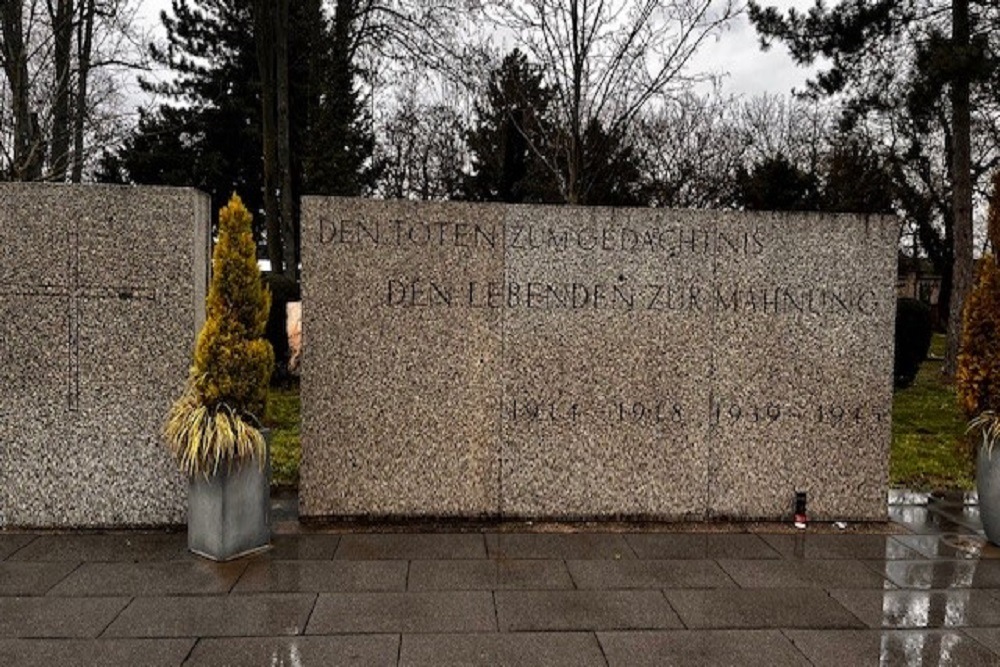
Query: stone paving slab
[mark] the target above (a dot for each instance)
(11, 542)
(922, 609)
(699, 546)
(214, 616)
(626, 574)
(760, 608)
(523, 649)
(854, 547)
(988, 637)
(342, 650)
(123, 547)
(32, 578)
(560, 546)
(895, 648)
(93, 652)
(489, 574)
(687, 648)
(951, 546)
(928, 521)
(943, 574)
(186, 577)
(410, 546)
(57, 617)
(453, 611)
(802, 574)
(322, 576)
(528, 611)
(767, 598)
(303, 547)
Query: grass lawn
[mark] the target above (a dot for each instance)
(928, 432)
(282, 417)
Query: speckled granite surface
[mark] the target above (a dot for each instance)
(101, 292)
(557, 362)
(802, 387)
(404, 389)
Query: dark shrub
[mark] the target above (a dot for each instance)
(913, 339)
(283, 290)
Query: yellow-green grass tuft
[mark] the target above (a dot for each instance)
(203, 438)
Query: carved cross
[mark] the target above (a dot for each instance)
(76, 292)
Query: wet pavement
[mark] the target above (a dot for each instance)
(921, 590)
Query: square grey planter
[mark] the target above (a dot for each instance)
(229, 513)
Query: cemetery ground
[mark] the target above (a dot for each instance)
(283, 409)
(930, 450)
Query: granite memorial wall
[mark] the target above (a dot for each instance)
(102, 292)
(468, 360)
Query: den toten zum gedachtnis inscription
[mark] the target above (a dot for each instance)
(561, 362)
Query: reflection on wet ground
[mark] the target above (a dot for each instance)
(922, 591)
(941, 603)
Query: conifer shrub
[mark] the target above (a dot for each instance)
(216, 419)
(977, 380)
(913, 340)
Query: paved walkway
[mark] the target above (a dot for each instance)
(929, 594)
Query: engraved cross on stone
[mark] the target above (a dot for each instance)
(76, 292)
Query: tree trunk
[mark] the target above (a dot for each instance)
(961, 178)
(288, 226)
(575, 152)
(27, 152)
(85, 42)
(263, 11)
(62, 32)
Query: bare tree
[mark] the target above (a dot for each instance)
(421, 153)
(961, 186)
(85, 48)
(605, 61)
(433, 35)
(271, 37)
(24, 162)
(62, 15)
(52, 54)
(796, 128)
(695, 145)
(694, 148)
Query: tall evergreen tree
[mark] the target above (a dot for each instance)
(208, 134)
(611, 173)
(846, 177)
(775, 184)
(211, 132)
(952, 48)
(856, 180)
(516, 135)
(340, 141)
(506, 140)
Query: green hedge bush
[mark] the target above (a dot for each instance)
(913, 340)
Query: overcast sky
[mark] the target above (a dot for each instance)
(748, 69)
(736, 53)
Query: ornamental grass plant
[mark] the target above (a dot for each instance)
(217, 419)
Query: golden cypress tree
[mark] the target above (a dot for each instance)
(215, 420)
(978, 377)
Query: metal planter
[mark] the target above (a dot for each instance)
(229, 513)
(988, 486)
